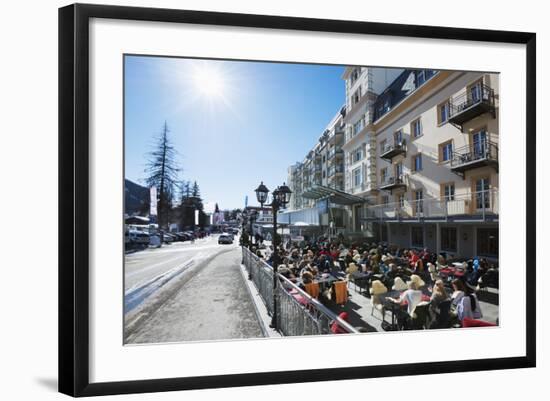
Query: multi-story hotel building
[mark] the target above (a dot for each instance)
(437, 162)
(412, 159)
(363, 86)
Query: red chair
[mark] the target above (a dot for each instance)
(467, 322)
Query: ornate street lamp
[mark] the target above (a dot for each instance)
(280, 198)
(261, 193)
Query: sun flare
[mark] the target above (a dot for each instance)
(209, 82)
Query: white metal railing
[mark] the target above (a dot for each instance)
(476, 204)
(294, 318)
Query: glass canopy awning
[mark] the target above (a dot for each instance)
(333, 195)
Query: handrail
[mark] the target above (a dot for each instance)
(388, 147)
(464, 204)
(334, 170)
(478, 151)
(319, 306)
(465, 100)
(392, 179)
(249, 257)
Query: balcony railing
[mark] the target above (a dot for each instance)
(478, 154)
(477, 100)
(335, 170)
(391, 150)
(481, 205)
(294, 318)
(393, 182)
(334, 152)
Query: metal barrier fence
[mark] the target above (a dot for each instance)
(298, 314)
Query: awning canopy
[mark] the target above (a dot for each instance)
(333, 195)
(306, 217)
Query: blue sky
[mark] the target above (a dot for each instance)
(233, 123)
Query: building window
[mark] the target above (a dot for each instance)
(419, 201)
(398, 137)
(324, 173)
(483, 199)
(443, 112)
(474, 92)
(357, 155)
(479, 144)
(416, 128)
(417, 237)
(417, 162)
(356, 97)
(357, 177)
(354, 75)
(324, 158)
(448, 191)
(387, 105)
(445, 151)
(383, 146)
(385, 200)
(420, 77)
(357, 127)
(398, 171)
(383, 174)
(400, 200)
(448, 239)
(487, 242)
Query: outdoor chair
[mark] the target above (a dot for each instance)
(358, 281)
(467, 322)
(340, 292)
(442, 315)
(419, 319)
(312, 289)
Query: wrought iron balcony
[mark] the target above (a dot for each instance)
(393, 149)
(475, 101)
(391, 183)
(478, 154)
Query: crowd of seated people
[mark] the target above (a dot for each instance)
(451, 287)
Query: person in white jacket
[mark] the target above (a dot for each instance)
(469, 307)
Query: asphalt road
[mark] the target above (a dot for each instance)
(214, 304)
(144, 266)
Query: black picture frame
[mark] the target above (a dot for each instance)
(74, 200)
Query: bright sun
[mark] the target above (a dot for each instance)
(209, 82)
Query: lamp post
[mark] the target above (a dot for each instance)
(252, 220)
(280, 198)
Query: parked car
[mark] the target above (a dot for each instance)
(138, 237)
(225, 239)
(168, 238)
(181, 236)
